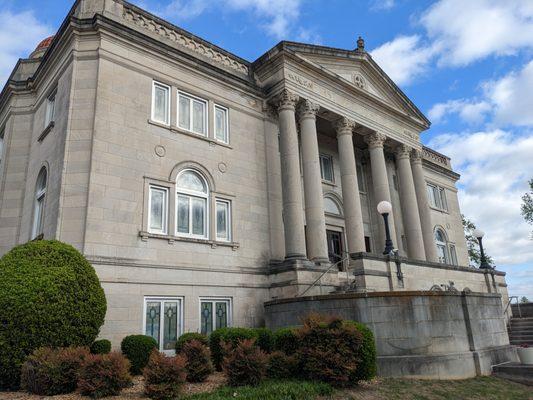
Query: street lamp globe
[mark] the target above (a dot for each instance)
(478, 233)
(384, 207)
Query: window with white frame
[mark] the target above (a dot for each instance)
(453, 255)
(223, 220)
(215, 313)
(161, 103)
(326, 167)
(442, 246)
(221, 124)
(192, 113)
(437, 197)
(39, 202)
(163, 321)
(50, 109)
(158, 209)
(192, 194)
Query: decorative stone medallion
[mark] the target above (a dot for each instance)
(222, 167)
(359, 81)
(160, 150)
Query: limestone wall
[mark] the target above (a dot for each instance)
(418, 334)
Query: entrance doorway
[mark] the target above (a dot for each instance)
(335, 247)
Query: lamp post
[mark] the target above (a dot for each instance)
(385, 208)
(478, 233)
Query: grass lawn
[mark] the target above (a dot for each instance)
(481, 388)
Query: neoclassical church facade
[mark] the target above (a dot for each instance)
(201, 185)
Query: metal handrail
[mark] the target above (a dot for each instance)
(517, 303)
(342, 260)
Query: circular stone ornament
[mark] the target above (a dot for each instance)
(222, 167)
(359, 81)
(160, 150)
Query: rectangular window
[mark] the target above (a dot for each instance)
(192, 114)
(158, 205)
(50, 109)
(223, 220)
(453, 255)
(192, 216)
(161, 103)
(214, 314)
(437, 197)
(163, 321)
(221, 124)
(326, 167)
(360, 178)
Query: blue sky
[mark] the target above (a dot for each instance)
(468, 65)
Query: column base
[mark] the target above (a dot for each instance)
(291, 257)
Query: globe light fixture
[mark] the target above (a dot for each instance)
(478, 233)
(385, 208)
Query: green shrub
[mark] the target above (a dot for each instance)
(102, 346)
(137, 348)
(265, 339)
(49, 296)
(187, 337)
(231, 336)
(48, 371)
(164, 376)
(104, 375)
(244, 364)
(198, 357)
(282, 366)
(285, 340)
(367, 367)
(328, 350)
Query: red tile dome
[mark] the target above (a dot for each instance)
(41, 47)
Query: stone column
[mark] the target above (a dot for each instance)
(380, 181)
(353, 216)
(423, 207)
(409, 204)
(293, 221)
(317, 247)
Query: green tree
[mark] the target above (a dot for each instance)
(524, 299)
(527, 206)
(474, 255)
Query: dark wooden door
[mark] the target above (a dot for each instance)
(334, 245)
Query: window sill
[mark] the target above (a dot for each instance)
(439, 210)
(171, 239)
(329, 183)
(191, 134)
(46, 131)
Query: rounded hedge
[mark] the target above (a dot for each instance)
(102, 346)
(49, 296)
(285, 340)
(137, 348)
(367, 366)
(231, 336)
(265, 339)
(188, 337)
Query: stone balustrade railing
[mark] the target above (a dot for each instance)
(436, 157)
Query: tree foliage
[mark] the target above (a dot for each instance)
(527, 206)
(474, 255)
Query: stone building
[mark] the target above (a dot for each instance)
(201, 185)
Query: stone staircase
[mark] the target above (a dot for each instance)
(521, 331)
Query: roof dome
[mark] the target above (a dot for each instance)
(42, 47)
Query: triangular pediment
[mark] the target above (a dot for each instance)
(361, 71)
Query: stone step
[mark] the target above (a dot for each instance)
(515, 372)
(520, 342)
(527, 338)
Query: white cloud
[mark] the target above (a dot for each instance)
(403, 58)
(471, 112)
(466, 31)
(495, 166)
(276, 17)
(20, 33)
(382, 5)
(508, 101)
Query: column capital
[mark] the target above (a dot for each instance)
(416, 156)
(344, 126)
(307, 109)
(375, 139)
(403, 151)
(286, 100)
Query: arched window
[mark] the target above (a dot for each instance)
(442, 246)
(38, 212)
(331, 206)
(192, 204)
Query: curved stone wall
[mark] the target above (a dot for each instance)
(419, 334)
